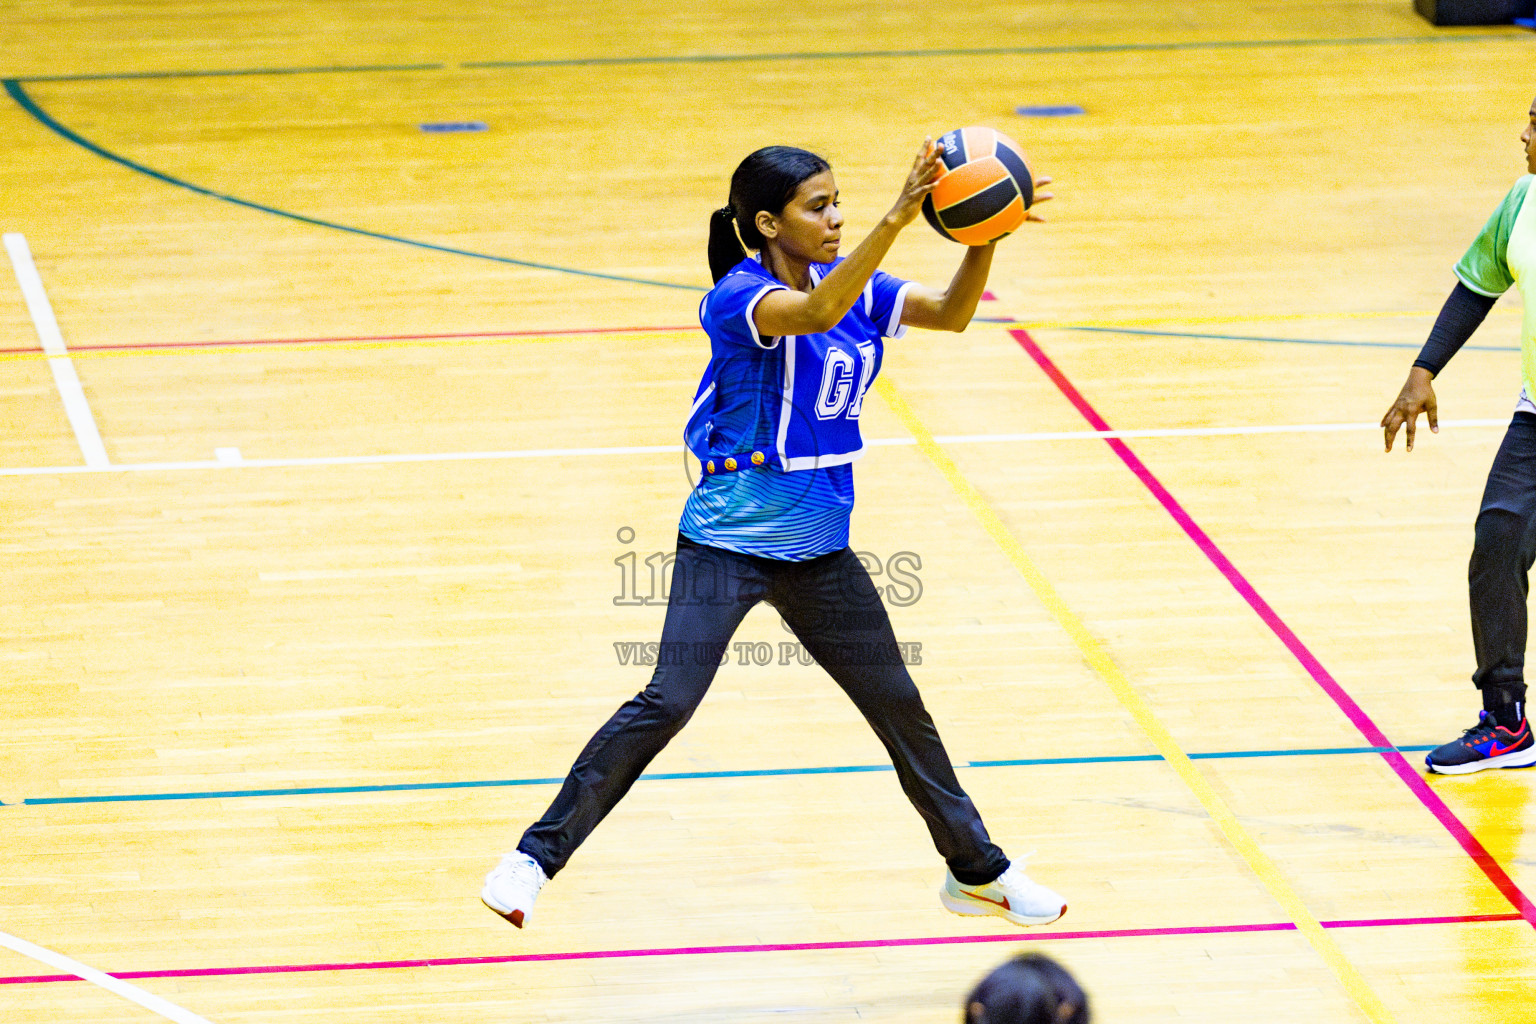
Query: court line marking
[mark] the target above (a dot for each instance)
(76, 408)
(331, 69)
(377, 341)
(360, 341)
(1002, 51)
(739, 773)
(1320, 675)
(13, 86)
(1130, 698)
(810, 55)
(17, 93)
(677, 449)
(80, 972)
(770, 947)
(1283, 341)
(1097, 323)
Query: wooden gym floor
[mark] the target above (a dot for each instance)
(319, 529)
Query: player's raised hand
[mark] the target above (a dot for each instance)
(1417, 396)
(925, 174)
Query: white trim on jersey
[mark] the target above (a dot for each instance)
(787, 400)
(1524, 403)
(1469, 286)
(787, 407)
(897, 329)
(700, 401)
(752, 325)
(820, 461)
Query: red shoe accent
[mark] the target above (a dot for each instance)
(996, 903)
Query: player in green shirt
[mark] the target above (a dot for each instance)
(1505, 544)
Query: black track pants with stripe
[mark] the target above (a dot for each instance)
(833, 608)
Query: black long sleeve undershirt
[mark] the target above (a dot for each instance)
(1463, 311)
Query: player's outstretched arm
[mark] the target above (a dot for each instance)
(1417, 396)
(1463, 311)
(952, 309)
(792, 312)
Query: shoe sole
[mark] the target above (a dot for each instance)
(1514, 759)
(513, 917)
(965, 908)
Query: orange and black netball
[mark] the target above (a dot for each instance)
(986, 188)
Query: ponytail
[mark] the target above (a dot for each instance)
(766, 180)
(725, 248)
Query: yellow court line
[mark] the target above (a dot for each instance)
(1132, 701)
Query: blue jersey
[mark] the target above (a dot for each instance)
(796, 399)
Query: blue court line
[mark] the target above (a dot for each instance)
(1284, 341)
(14, 88)
(405, 787)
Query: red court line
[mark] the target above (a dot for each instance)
(772, 947)
(1410, 776)
(257, 342)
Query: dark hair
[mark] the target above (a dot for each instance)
(766, 180)
(1029, 989)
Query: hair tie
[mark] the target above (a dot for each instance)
(726, 211)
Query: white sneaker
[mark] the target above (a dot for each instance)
(512, 886)
(1011, 896)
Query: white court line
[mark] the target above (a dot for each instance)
(170, 1011)
(75, 405)
(676, 449)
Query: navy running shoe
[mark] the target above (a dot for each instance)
(1486, 745)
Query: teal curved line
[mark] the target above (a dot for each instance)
(14, 88)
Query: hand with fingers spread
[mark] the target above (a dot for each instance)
(1417, 396)
(927, 169)
(1040, 197)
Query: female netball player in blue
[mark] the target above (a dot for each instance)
(796, 337)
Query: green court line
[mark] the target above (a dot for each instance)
(736, 58)
(14, 88)
(129, 76)
(1278, 341)
(1000, 51)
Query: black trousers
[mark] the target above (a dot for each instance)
(1505, 547)
(836, 612)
